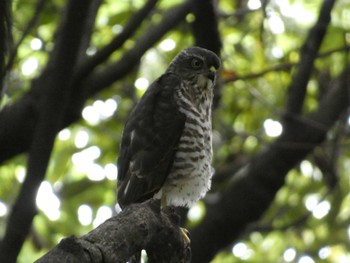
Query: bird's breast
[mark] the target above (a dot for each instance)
(190, 176)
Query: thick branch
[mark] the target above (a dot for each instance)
(88, 30)
(56, 79)
(254, 187)
(308, 53)
(205, 26)
(140, 226)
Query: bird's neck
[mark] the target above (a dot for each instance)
(198, 97)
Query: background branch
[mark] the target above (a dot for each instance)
(308, 53)
(5, 39)
(88, 30)
(39, 7)
(52, 108)
(118, 41)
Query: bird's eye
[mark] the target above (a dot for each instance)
(196, 63)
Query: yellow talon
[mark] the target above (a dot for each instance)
(185, 238)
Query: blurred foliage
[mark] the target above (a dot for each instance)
(309, 220)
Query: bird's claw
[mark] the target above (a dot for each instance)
(185, 237)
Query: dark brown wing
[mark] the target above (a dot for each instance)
(149, 142)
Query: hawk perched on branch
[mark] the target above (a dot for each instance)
(166, 148)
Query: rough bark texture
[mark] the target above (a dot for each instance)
(140, 226)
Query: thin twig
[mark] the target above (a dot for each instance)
(32, 22)
(283, 66)
(130, 28)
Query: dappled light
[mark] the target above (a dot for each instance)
(242, 251)
(111, 171)
(85, 214)
(3, 209)
(103, 213)
(318, 208)
(276, 24)
(48, 202)
(142, 83)
(305, 259)
(29, 66)
(254, 4)
(81, 139)
(167, 44)
(36, 44)
(85, 158)
(273, 128)
(289, 254)
(196, 212)
(99, 111)
(64, 135)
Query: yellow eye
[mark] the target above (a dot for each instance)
(196, 63)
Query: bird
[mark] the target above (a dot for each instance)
(166, 145)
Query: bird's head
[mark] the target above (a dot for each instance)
(196, 66)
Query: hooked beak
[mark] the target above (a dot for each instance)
(211, 74)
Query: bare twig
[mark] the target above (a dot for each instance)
(39, 7)
(100, 80)
(282, 67)
(130, 28)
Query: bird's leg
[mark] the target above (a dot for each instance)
(163, 201)
(184, 232)
(185, 236)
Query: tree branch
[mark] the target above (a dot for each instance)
(5, 39)
(130, 28)
(308, 53)
(205, 26)
(39, 7)
(88, 30)
(287, 66)
(56, 79)
(102, 79)
(140, 226)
